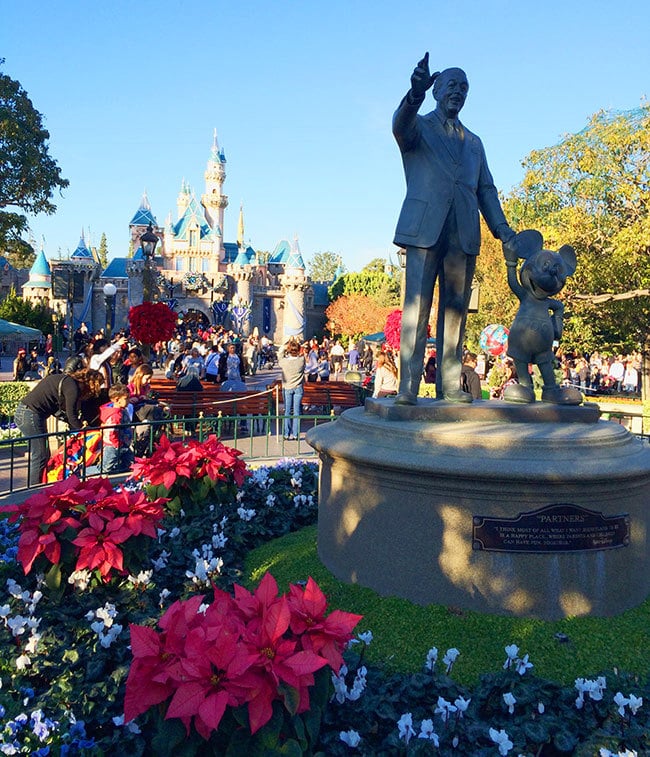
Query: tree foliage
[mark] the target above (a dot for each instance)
(324, 265)
(28, 174)
(14, 308)
(497, 304)
(103, 251)
(592, 191)
(19, 254)
(382, 289)
(355, 315)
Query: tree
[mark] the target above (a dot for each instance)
(103, 251)
(28, 175)
(19, 253)
(382, 289)
(592, 191)
(355, 315)
(324, 265)
(16, 309)
(497, 304)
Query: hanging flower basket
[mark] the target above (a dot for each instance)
(152, 322)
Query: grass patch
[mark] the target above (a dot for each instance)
(404, 632)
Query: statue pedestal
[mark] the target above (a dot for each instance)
(533, 510)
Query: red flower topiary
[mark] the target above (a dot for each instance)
(152, 322)
(393, 329)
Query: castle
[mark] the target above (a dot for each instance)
(202, 278)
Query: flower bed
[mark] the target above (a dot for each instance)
(142, 641)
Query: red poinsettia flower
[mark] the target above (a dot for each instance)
(144, 689)
(208, 685)
(179, 462)
(98, 542)
(267, 657)
(239, 650)
(324, 635)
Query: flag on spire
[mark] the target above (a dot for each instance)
(240, 226)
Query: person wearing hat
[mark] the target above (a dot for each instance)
(20, 365)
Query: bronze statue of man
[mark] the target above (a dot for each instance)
(447, 182)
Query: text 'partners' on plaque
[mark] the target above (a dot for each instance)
(553, 528)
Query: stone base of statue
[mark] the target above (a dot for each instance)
(529, 510)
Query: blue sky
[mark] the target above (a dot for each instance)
(301, 95)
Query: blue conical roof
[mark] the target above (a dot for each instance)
(281, 253)
(295, 256)
(82, 251)
(40, 267)
(143, 215)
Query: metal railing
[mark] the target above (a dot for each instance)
(258, 437)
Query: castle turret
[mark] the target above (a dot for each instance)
(37, 288)
(294, 283)
(213, 200)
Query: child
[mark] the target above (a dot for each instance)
(116, 439)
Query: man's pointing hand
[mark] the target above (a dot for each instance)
(422, 79)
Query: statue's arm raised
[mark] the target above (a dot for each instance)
(404, 121)
(510, 254)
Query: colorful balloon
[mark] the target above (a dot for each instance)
(494, 339)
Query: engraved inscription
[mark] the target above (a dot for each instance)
(553, 528)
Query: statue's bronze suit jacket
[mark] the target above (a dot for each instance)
(441, 173)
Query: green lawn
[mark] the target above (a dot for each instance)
(404, 632)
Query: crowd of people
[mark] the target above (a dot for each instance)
(107, 383)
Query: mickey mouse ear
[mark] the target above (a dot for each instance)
(527, 242)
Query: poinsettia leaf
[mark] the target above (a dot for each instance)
(144, 641)
(213, 708)
(186, 700)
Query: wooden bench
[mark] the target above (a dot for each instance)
(330, 395)
(212, 402)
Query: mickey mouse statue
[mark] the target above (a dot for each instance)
(539, 318)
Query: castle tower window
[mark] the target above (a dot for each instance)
(192, 237)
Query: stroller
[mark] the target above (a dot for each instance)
(145, 434)
(268, 357)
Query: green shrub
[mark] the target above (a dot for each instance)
(11, 393)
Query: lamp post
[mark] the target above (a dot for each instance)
(148, 241)
(110, 290)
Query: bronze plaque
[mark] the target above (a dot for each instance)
(553, 528)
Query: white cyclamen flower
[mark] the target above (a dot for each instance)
(245, 514)
(501, 739)
(523, 665)
(427, 732)
(351, 737)
(432, 659)
(451, 655)
(513, 652)
(462, 705)
(405, 726)
(621, 702)
(510, 701)
(635, 703)
(444, 709)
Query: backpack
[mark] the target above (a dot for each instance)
(73, 363)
